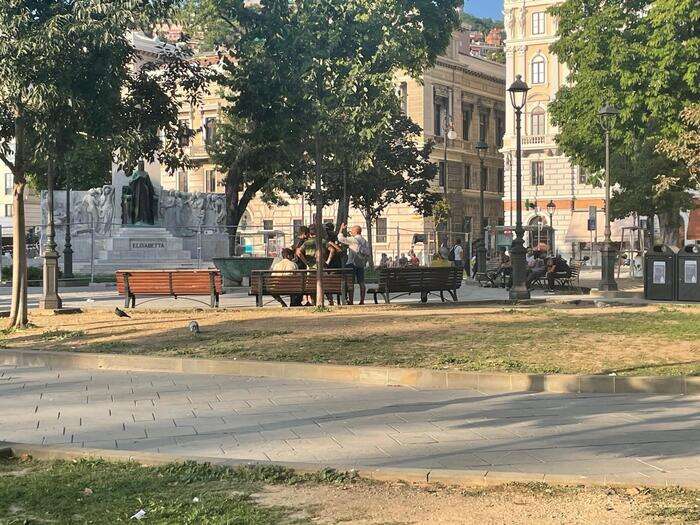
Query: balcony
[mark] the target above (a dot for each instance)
(534, 140)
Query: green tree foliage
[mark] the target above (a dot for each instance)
(644, 57)
(70, 70)
(480, 24)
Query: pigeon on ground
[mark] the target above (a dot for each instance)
(120, 313)
(193, 327)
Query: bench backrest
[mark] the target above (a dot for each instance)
(169, 282)
(299, 282)
(420, 279)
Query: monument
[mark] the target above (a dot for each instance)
(146, 227)
(138, 199)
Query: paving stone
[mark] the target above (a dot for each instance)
(593, 436)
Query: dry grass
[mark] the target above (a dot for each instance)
(629, 341)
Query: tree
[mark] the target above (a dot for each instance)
(685, 146)
(298, 76)
(642, 56)
(88, 82)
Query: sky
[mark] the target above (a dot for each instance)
(485, 8)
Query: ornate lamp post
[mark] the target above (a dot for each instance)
(50, 299)
(518, 96)
(608, 252)
(481, 149)
(450, 134)
(551, 208)
(68, 248)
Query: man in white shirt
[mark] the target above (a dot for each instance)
(358, 255)
(458, 252)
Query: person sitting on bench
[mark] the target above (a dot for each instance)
(557, 269)
(537, 271)
(286, 266)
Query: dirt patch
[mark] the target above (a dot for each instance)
(526, 504)
(625, 341)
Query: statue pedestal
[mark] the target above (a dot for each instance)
(134, 247)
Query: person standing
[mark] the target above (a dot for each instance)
(458, 253)
(358, 255)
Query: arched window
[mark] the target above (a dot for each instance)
(539, 66)
(537, 122)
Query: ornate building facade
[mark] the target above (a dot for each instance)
(462, 93)
(547, 173)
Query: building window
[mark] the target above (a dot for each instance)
(403, 94)
(537, 169)
(483, 126)
(296, 226)
(381, 231)
(538, 20)
(537, 122)
(268, 225)
(538, 70)
(441, 109)
(8, 183)
(184, 139)
(582, 176)
(8, 210)
(500, 129)
(466, 122)
(182, 181)
(441, 171)
(467, 176)
(210, 181)
(210, 130)
(501, 181)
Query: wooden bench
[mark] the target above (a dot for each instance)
(171, 283)
(422, 280)
(299, 282)
(573, 281)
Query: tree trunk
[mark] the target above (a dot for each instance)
(343, 204)
(670, 224)
(233, 214)
(368, 224)
(319, 228)
(18, 311)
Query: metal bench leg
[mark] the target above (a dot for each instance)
(453, 293)
(423, 297)
(386, 297)
(442, 296)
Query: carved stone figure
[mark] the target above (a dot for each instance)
(142, 197)
(508, 22)
(105, 209)
(522, 17)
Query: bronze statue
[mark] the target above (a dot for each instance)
(142, 197)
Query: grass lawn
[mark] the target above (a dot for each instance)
(94, 491)
(653, 340)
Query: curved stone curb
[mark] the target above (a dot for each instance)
(423, 476)
(368, 375)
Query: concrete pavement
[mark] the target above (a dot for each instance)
(631, 438)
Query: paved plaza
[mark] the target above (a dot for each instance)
(625, 437)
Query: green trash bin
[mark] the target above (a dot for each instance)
(687, 266)
(660, 274)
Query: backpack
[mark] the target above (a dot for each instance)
(361, 256)
(451, 256)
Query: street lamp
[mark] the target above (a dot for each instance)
(551, 208)
(518, 96)
(450, 134)
(50, 299)
(607, 115)
(481, 150)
